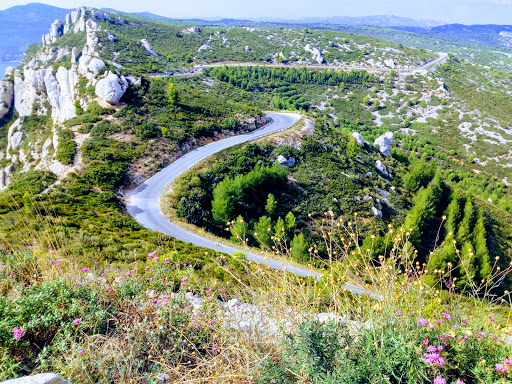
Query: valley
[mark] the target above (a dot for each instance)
(161, 177)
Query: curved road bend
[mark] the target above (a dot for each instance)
(142, 202)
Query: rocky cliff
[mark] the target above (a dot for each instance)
(47, 85)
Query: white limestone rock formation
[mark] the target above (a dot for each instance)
(225, 41)
(148, 47)
(315, 52)
(382, 168)
(60, 91)
(90, 64)
(6, 93)
(74, 55)
(284, 162)
(359, 139)
(390, 63)
(247, 48)
(111, 88)
(42, 378)
(56, 30)
(384, 143)
(191, 30)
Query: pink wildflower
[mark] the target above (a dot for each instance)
(175, 306)
(500, 367)
(17, 332)
(85, 269)
(430, 325)
(151, 254)
(508, 362)
(422, 322)
(464, 323)
(81, 352)
(492, 318)
(77, 321)
(52, 261)
(439, 380)
(433, 359)
(446, 316)
(460, 382)
(426, 341)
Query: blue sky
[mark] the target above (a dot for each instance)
(461, 11)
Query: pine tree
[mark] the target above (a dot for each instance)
(481, 251)
(280, 229)
(262, 231)
(239, 230)
(466, 225)
(271, 205)
(290, 223)
(299, 248)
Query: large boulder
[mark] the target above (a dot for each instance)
(88, 63)
(384, 142)
(42, 378)
(111, 88)
(382, 168)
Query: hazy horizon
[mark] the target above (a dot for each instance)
(455, 11)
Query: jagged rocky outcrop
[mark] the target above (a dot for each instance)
(6, 92)
(384, 143)
(42, 88)
(284, 162)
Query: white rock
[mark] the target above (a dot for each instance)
(16, 139)
(191, 30)
(382, 168)
(247, 48)
(384, 142)
(60, 91)
(359, 138)
(101, 16)
(225, 41)
(56, 30)
(6, 96)
(74, 55)
(202, 47)
(111, 88)
(42, 378)
(147, 45)
(27, 87)
(284, 162)
(390, 63)
(377, 212)
(91, 64)
(75, 15)
(45, 152)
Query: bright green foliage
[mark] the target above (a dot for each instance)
(66, 150)
(239, 230)
(425, 204)
(299, 248)
(262, 229)
(173, 96)
(290, 222)
(271, 204)
(419, 176)
(352, 148)
(232, 197)
(481, 250)
(280, 229)
(374, 247)
(466, 225)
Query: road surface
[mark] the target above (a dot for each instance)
(142, 202)
(413, 71)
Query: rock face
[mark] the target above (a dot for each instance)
(359, 139)
(111, 88)
(56, 30)
(74, 55)
(284, 162)
(317, 54)
(43, 378)
(390, 63)
(382, 168)
(6, 96)
(147, 45)
(384, 142)
(88, 63)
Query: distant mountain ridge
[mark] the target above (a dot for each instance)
(23, 25)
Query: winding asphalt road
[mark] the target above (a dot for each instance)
(413, 71)
(142, 202)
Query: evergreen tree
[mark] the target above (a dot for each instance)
(173, 96)
(352, 148)
(271, 204)
(280, 229)
(239, 230)
(481, 251)
(466, 225)
(261, 231)
(299, 248)
(290, 222)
